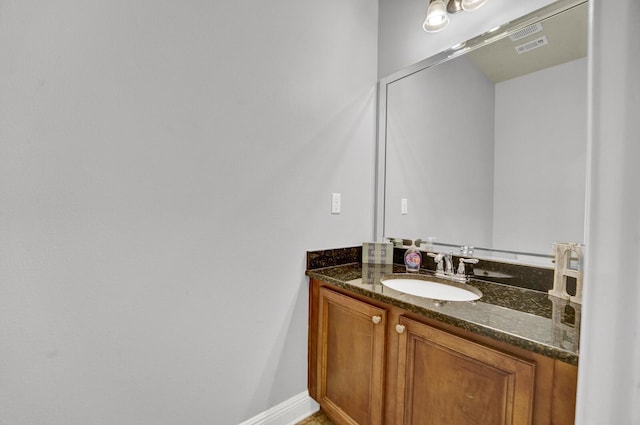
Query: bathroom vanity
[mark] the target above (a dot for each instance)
(378, 356)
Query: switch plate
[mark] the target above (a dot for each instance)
(336, 203)
(403, 206)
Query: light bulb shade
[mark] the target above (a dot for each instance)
(470, 5)
(437, 18)
(454, 6)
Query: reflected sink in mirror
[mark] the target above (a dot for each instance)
(427, 287)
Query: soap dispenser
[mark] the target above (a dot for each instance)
(413, 258)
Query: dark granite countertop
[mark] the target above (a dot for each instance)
(525, 318)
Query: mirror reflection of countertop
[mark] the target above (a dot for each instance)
(525, 318)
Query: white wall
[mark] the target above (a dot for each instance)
(439, 155)
(164, 165)
(540, 158)
(402, 41)
(609, 373)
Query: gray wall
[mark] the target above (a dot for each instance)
(164, 165)
(540, 158)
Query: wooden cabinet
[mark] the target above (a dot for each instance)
(350, 367)
(371, 363)
(444, 379)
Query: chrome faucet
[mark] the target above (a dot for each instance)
(448, 264)
(444, 266)
(438, 259)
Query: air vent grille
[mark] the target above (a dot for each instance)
(531, 45)
(526, 32)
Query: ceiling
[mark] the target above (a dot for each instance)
(567, 37)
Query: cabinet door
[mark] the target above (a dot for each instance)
(350, 359)
(444, 380)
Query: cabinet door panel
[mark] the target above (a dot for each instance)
(444, 379)
(351, 358)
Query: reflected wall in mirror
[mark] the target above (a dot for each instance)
(488, 148)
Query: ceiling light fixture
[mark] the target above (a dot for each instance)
(437, 18)
(454, 6)
(470, 5)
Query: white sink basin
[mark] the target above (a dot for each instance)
(426, 287)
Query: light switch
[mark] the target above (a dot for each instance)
(336, 201)
(403, 206)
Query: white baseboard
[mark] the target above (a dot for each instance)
(289, 412)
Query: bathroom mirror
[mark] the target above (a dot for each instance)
(484, 144)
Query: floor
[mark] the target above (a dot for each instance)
(318, 418)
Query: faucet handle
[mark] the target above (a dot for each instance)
(438, 259)
(461, 270)
(461, 266)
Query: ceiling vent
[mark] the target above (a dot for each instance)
(531, 45)
(526, 32)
